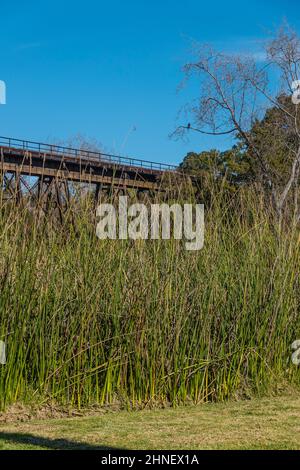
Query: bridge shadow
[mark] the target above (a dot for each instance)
(45, 442)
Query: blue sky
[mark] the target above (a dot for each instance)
(101, 68)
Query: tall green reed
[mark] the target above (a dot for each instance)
(98, 321)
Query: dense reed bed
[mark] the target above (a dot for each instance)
(93, 322)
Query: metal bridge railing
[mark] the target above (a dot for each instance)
(93, 156)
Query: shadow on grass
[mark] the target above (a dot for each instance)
(45, 442)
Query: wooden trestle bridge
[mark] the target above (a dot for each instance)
(39, 169)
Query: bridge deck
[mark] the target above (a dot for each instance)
(39, 159)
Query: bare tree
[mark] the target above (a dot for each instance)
(236, 91)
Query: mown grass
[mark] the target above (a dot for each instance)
(90, 321)
(251, 424)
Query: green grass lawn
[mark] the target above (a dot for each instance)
(257, 424)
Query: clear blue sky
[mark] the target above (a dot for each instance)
(100, 67)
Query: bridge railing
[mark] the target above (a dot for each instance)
(58, 150)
